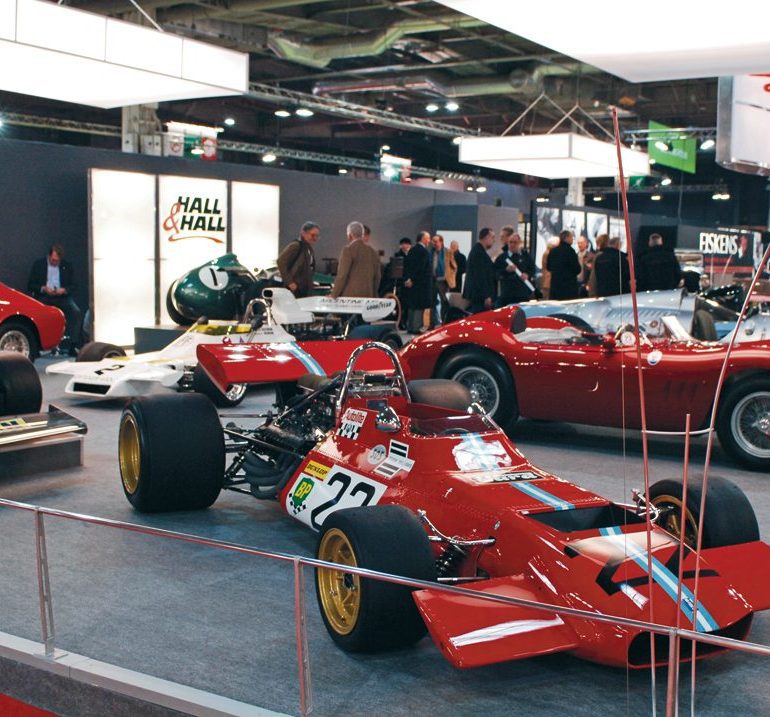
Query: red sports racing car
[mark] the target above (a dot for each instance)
(26, 325)
(415, 479)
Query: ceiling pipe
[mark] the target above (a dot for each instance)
(517, 82)
(320, 54)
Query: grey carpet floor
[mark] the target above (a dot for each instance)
(224, 622)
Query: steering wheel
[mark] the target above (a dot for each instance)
(644, 340)
(454, 431)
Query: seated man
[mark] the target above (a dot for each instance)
(51, 281)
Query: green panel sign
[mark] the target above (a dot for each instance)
(680, 153)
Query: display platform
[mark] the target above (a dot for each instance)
(224, 622)
(155, 338)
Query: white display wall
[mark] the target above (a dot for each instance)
(146, 230)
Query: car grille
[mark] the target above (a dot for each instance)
(90, 388)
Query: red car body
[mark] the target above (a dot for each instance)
(570, 378)
(44, 324)
(547, 540)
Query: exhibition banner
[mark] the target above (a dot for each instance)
(727, 253)
(680, 153)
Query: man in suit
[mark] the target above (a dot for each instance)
(461, 260)
(564, 266)
(658, 267)
(515, 269)
(613, 275)
(297, 261)
(444, 273)
(51, 281)
(417, 283)
(359, 269)
(481, 281)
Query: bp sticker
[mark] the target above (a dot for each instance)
(300, 493)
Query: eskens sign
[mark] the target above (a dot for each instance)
(194, 217)
(723, 249)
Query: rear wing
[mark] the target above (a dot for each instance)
(287, 309)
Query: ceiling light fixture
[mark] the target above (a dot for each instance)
(457, 140)
(282, 113)
(721, 195)
(230, 121)
(598, 197)
(661, 145)
(737, 44)
(342, 170)
(452, 106)
(431, 107)
(665, 182)
(481, 189)
(553, 156)
(541, 199)
(438, 180)
(469, 188)
(656, 197)
(385, 148)
(70, 55)
(707, 144)
(303, 112)
(196, 150)
(269, 157)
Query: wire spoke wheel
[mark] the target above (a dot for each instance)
(750, 423)
(670, 508)
(340, 592)
(482, 386)
(235, 392)
(15, 340)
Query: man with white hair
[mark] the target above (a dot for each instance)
(359, 269)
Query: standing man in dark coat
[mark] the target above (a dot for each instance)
(417, 282)
(658, 267)
(297, 261)
(564, 266)
(462, 261)
(613, 275)
(52, 281)
(481, 282)
(515, 269)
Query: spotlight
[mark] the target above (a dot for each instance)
(652, 161)
(598, 197)
(707, 144)
(282, 113)
(469, 188)
(269, 158)
(230, 121)
(661, 145)
(656, 197)
(457, 140)
(431, 107)
(452, 106)
(721, 195)
(541, 199)
(1, 122)
(196, 150)
(385, 148)
(665, 181)
(438, 180)
(303, 112)
(342, 170)
(481, 189)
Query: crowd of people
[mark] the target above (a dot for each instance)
(425, 273)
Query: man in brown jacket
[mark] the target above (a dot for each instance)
(359, 269)
(297, 261)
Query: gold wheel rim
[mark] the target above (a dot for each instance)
(129, 453)
(672, 519)
(340, 592)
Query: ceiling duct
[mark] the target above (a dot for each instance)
(519, 82)
(320, 54)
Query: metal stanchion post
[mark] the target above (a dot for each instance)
(44, 586)
(672, 687)
(300, 625)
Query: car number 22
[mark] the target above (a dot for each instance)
(311, 499)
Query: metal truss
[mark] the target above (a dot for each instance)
(105, 130)
(351, 110)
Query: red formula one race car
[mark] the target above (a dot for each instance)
(556, 369)
(26, 325)
(414, 479)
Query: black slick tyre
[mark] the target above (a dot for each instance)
(171, 452)
(487, 378)
(729, 518)
(743, 422)
(19, 337)
(98, 350)
(235, 393)
(365, 615)
(20, 389)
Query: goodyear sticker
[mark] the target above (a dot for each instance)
(9, 424)
(317, 470)
(301, 491)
